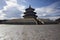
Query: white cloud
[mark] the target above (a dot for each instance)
(11, 9)
(24, 1)
(44, 11)
(2, 14)
(49, 10)
(21, 8)
(53, 18)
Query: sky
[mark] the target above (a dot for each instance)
(10, 9)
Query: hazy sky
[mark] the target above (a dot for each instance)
(14, 8)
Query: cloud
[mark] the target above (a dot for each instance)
(44, 11)
(2, 14)
(49, 11)
(15, 9)
(11, 10)
(21, 1)
(2, 4)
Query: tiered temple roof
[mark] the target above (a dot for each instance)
(30, 13)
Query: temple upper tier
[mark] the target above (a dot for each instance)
(30, 9)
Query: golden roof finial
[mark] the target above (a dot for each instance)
(29, 6)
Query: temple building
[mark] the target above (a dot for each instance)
(29, 17)
(30, 13)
